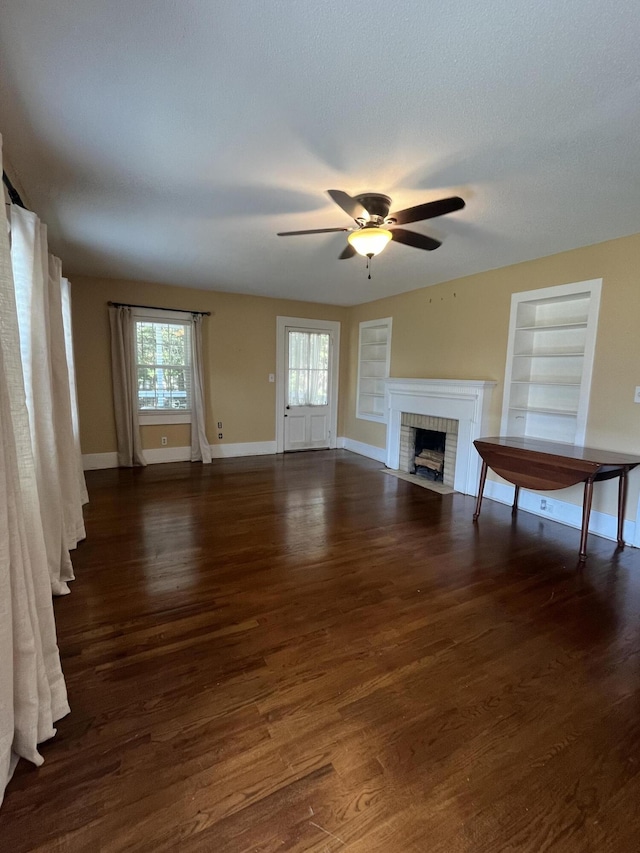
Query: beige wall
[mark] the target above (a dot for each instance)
(458, 330)
(239, 350)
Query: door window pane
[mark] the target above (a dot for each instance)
(308, 369)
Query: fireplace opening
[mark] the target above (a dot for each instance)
(446, 430)
(428, 457)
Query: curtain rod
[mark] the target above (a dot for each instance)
(156, 308)
(14, 195)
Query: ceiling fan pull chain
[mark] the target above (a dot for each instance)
(369, 267)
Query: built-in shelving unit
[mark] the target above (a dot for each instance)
(374, 355)
(552, 337)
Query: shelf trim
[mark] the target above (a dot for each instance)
(548, 354)
(545, 382)
(582, 324)
(571, 413)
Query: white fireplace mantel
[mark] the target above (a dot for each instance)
(466, 401)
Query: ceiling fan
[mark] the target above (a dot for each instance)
(375, 226)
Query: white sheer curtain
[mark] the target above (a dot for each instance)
(43, 351)
(73, 490)
(200, 448)
(125, 387)
(65, 295)
(32, 689)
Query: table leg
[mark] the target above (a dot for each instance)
(514, 508)
(483, 477)
(622, 500)
(586, 512)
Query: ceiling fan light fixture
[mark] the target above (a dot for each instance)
(369, 241)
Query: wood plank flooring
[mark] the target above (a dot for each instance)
(300, 653)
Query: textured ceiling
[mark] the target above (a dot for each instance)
(170, 141)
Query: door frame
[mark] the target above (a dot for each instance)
(331, 326)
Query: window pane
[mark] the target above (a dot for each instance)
(173, 349)
(164, 369)
(145, 342)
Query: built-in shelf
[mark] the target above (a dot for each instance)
(374, 355)
(551, 346)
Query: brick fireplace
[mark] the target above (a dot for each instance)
(458, 408)
(409, 423)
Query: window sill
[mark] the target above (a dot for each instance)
(158, 418)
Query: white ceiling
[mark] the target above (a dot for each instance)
(169, 140)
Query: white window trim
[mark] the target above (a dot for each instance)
(181, 416)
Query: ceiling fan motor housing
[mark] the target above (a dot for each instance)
(376, 205)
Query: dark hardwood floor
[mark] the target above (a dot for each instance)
(301, 653)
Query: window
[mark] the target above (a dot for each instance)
(374, 356)
(163, 368)
(552, 337)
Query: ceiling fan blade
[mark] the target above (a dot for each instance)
(347, 252)
(411, 238)
(428, 210)
(313, 231)
(350, 206)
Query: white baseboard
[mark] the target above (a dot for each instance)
(369, 450)
(158, 455)
(154, 456)
(600, 523)
(96, 461)
(245, 448)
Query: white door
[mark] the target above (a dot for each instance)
(307, 393)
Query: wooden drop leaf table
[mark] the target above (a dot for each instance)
(532, 463)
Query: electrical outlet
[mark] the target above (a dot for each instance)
(636, 396)
(543, 503)
(272, 377)
(219, 424)
(163, 441)
(546, 506)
